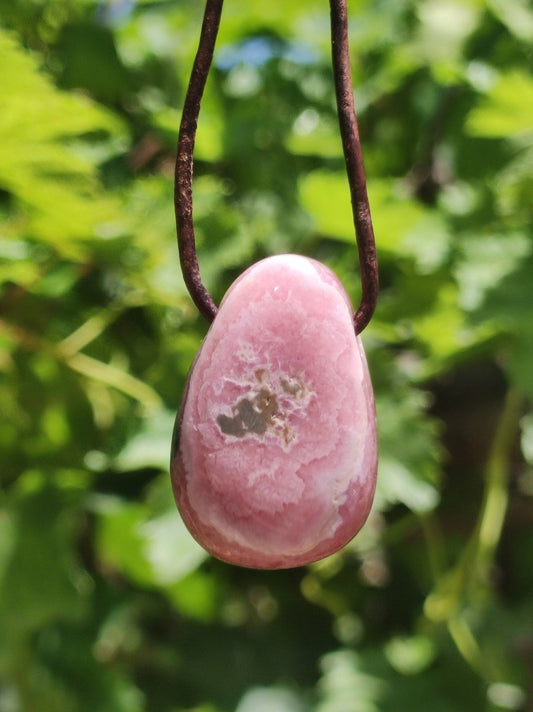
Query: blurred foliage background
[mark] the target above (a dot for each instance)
(106, 603)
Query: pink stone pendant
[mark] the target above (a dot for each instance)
(274, 455)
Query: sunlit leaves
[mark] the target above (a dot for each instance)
(345, 687)
(445, 26)
(517, 15)
(410, 656)
(487, 260)
(150, 447)
(380, 682)
(270, 699)
(408, 469)
(404, 228)
(146, 542)
(505, 111)
(314, 135)
(55, 187)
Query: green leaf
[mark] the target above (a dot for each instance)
(120, 542)
(396, 483)
(197, 595)
(57, 190)
(345, 688)
(516, 15)
(366, 682)
(505, 111)
(42, 580)
(485, 261)
(410, 656)
(409, 453)
(150, 447)
(315, 135)
(170, 548)
(149, 546)
(270, 699)
(445, 331)
(445, 26)
(403, 227)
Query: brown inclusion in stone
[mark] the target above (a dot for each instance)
(254, 416)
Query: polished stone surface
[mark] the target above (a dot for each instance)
(274, 458)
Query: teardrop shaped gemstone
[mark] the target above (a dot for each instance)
(274, 455)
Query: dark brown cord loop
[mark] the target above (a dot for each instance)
(184, 161)
(354, 164)
(352, 153)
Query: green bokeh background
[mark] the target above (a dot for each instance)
(106, 603)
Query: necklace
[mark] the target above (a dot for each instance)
(274, 454)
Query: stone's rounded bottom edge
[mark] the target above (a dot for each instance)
(237, 555)
(275, 565)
